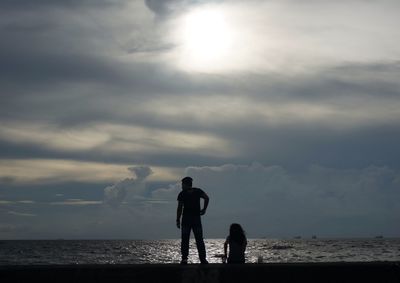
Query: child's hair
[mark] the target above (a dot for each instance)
(237, 234)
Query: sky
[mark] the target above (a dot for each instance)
(286, 113)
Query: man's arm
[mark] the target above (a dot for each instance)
(178, 214)
(226, 249)
(206, 200)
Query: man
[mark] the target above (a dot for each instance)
(189, 202)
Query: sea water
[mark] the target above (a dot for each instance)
(38, 252)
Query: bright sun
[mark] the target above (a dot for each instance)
(205, 40)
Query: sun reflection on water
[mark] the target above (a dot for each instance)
(168, 251)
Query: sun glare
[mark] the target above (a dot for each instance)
(205, 40)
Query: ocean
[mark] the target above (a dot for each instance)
(45, 252)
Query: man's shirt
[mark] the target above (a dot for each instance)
(191, 201)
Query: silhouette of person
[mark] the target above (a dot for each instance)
(237, 243)
(189, 203)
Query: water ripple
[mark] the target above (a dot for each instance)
(168, 251)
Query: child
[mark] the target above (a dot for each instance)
(237, 244)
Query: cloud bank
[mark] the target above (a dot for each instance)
(272, 201)
(269, 201)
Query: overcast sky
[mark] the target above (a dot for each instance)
(285, 112)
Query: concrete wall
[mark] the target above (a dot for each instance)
(291, 272)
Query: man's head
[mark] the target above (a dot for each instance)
(187, 183)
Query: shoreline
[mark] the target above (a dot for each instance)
(251, 272)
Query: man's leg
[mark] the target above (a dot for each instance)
(201, 248)
(185, 242)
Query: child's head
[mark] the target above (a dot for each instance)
(236, 233)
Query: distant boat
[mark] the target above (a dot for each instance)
(379, 237)
(297, 237)
(313, 237)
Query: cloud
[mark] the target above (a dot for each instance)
(137, 108)
(7, 179)
(129, 189)
(159, 7)
(21, 214)
(312, 118)
(270, 200)
(10, 229)
(6, 202)
(296, 37)
(141, 172)
(166, 7)
(319, 87)
(53, 171)
(31, 171)
(23, 4)
(26, 201)
(77, 202)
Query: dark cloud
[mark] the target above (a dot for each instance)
(7, 179)
(294, 146)
(160, 7)
(56, 68)
(362, 89)
(165, 7)
(26, 4)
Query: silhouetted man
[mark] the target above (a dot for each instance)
(189, 201)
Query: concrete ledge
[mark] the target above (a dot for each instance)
(282, 272)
